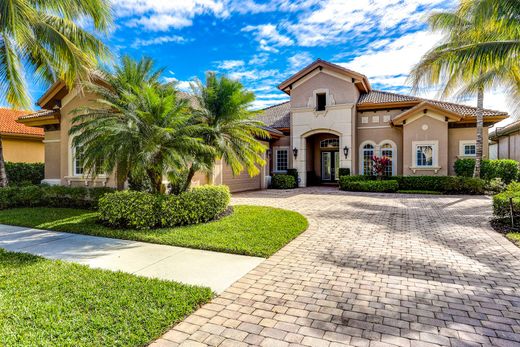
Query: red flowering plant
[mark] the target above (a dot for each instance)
(379, 165)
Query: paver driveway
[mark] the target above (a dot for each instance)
(371, 270)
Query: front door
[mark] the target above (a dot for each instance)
(329, 166)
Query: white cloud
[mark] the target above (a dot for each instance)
(253, 74)
(158, 41)
(298, 61)
(161, 15)
(393, 62)
(269, 37)
(259, 59)
(230, 64)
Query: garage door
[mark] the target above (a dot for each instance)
(241, 182)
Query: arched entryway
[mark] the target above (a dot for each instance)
(323, 158)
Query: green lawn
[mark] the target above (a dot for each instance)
(54, 303)
(514, 237)
(250, 230)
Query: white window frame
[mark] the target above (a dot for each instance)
(362, 155)
(435, 155)
(393, 148)
(74, 165)
(463, 144)
(275, 158)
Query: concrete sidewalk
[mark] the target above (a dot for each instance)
(211, 269)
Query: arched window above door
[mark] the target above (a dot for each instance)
(329, 143)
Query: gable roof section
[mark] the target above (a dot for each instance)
(382, 99)
(423, 106)
(276, 116)
(360, 80)
(10, 126)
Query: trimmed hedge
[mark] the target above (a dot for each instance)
(293, 173)
(505, 169)
(130, 209)
(24, 173)
(283, 181)
(443, 184)
(388, 186)
(344, 171)
(200, 205)
(501, 207)
(141, 210)
(51, 196)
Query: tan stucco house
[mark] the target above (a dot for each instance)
(20, 143)
(334, 120)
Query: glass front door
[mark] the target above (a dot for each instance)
(329, 166)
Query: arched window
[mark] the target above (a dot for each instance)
(388, 151)
(329, 143)
(367, 154)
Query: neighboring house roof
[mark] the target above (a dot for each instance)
(277, 116)
(502, 131)
(10, 126)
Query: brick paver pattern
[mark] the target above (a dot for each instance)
(371, 270)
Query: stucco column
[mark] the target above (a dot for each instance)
(299, 163)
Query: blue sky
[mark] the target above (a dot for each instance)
(263, 42)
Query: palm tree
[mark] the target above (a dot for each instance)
(45, 36)
(137, 126)
(227, 126)
(471, 57)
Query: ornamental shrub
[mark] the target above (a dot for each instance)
(505, 169)
(199, 205)
(293, 173)
(387, 186)
(130, 209)
(51, 196)
(501, 204)
(24, 173)
(444, 184)
(283, 181)
(344, 171)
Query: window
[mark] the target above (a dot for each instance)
(367, 154)
(388, 151)
(77, 163)
(281, 160)
(424, 155)
(321, 101)
(329, 143)
(468, 148)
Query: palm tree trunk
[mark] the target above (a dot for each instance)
(191, 173)
(480, 131)
(3, 173)
(121, 177)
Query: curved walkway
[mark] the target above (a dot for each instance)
(372, 270)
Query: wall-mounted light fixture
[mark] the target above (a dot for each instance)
(345, 151)
(295, 152)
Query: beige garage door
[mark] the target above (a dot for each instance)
(241, 182)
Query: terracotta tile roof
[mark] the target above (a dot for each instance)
(8, 124)
(382, 97)
(505, 130)
(41, 113)
(277, 116)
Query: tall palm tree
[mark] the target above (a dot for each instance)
(223, 110)
(44, 36)
(471, 57)
(137, 126)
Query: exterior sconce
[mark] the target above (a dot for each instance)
(345, 151)
(295, 152)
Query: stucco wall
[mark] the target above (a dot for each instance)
(425, 128)
(23, 150)
(70, 102)
(378, 137)
(342, 90)
(455, 135)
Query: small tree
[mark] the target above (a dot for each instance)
(379, 165)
